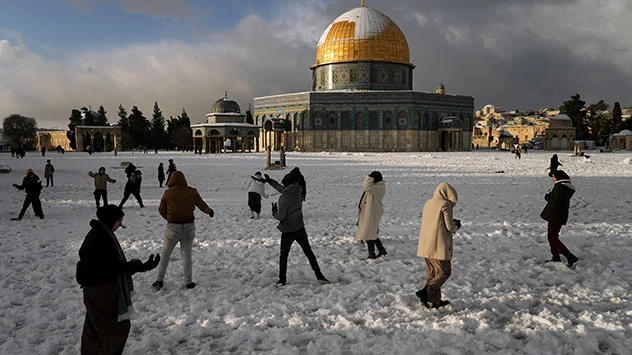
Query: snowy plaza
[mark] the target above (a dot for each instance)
(505, 300)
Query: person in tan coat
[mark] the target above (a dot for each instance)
(370, 211)
(435, 243)
(177, 206)
(101, 185)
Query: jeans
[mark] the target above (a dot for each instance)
(183, 233)
(49, 179)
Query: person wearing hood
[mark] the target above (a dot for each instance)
(555, 163)
(289, 213)
(556, 213)
(132, 187)
(256, 189)
(435, 243)
(370, 211)
(177, 206)
(105, 276)
(161, 174)
(130, 169)
(101, 180)
(32, 185)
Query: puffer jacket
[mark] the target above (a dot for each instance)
(31, 184)
(437, 224)
(558, 202)
(179, 201)
(290, 212)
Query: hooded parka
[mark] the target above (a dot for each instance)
(178, 202)
(371, 209)
(437, 224)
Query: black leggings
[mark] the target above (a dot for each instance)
(37, 206)
(287, 239)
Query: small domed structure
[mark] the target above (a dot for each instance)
(560, 121)
(224, 105)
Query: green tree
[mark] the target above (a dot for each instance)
(599, 121)
(158, 127)
(88, 117)
(139, 127)
(575, 109)
(75, 120)
(101, 119)
(123, 123)
(17, 128)
(183, 132)
(617, 118)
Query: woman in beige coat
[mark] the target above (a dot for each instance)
(435, 243)
(370, 211)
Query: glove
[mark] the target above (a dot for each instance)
(457, 222)
(15, 185)
(275, 208)
(113, 181)
(212, 213)
(133, 266)
(151, 263)
(267, 177)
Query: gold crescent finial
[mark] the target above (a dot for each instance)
(362, 3)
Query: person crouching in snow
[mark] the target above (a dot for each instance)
(289, 213)
(370, 211)
(435, 243)
(556, 213)
(177, 206)
(256, 189)
(105, 276)
(32, 185)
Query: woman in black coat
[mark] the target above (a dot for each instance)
(556, 213)
(105, 277)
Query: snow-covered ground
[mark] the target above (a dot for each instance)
(504, 298)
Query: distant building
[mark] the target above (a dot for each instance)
(560, 135)
(51, 139)
(621, 140)
(362, 97)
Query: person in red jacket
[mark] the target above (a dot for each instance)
(177, 206)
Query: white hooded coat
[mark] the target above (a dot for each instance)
(437, 224)
(371, 209)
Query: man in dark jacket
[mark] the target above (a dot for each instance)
(132, 187)
(105, 277)
(170, 170)
(161, 174)
(556, 213)
(32, 185)
(131, 168)
(289, 213)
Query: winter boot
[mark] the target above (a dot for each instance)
(571, 259)
(423, 296)
(554, 259)
(157, 285)
(257, 216)
(252, 215)
(381, 252)
(372, 256)
(280, 283)
(191, 285)
(442, 303)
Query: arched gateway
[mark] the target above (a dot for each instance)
(99, 138)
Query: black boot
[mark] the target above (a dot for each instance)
(381, 252)
(571, 259)
(442, 303)
(372, 256)
(423, 296)
(554, 259)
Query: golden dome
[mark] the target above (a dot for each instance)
(362, 34)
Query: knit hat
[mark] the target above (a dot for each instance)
(258, 173)
(29, 171)
(293, 177)
(376, 175)
(109, 215)
(561, 175)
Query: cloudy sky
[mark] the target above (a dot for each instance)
(56, 55)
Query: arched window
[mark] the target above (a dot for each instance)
(360, 120)
(388, 120)
(402, 119)
(332, 120)
(425, 124)
(374, 120)
(215, 133)
(318, 120)
(267, 126)
(304, 120)
(198, 132)
(257, 120)
(297, 121)
(345, 120)
(416, 123)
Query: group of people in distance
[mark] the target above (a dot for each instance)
(104, 272)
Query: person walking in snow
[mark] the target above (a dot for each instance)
(49, 170)
(370, 211)
(170, 169)
(101, 180)
(435, 243)
(289, 213)
(161, 174)
(177, 206)
(256, 189)
(132, 187)
(556, 213)
(32, 185)
(555, 163)
(105, 277)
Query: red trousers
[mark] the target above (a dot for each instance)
(553, 234)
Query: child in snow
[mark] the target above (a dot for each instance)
(161, 174)
(177, 206)
(33, 186)
(256, 189)
(555, 163)
(49, 170)
(435, 243)
(132, 187)
(105, 276)
(556, 213)
(370, 211)
(289, 213)
(101, 180)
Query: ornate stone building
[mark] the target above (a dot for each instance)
(98, 138)
(51, 139)
(226, 127)
(560, 135)
(362, 97)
